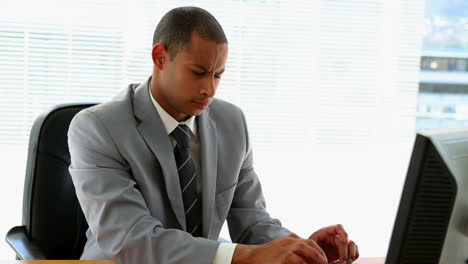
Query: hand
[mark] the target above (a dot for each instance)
(289, 249)
(336, 245)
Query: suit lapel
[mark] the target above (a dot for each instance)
(153, 132)
(208, 160)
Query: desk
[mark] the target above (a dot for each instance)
(57, 262)
(366, 261)
(359, 261)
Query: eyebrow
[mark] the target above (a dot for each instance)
(205, 69)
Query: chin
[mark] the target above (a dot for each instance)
(197, 112)
(193, 111)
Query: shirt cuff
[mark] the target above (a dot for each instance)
(224, 253)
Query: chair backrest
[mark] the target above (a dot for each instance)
(51, 212)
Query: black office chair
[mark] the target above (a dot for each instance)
(53, 224)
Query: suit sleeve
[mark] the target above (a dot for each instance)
(248, 220)
(116, 212)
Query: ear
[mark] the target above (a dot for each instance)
(159, 55)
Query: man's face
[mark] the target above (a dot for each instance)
(189, 81)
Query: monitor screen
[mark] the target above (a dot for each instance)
(431, 221)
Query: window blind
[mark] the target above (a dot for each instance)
(328, 88)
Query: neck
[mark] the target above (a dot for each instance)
(156, 94)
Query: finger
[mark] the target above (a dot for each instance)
(352, 251)
(357, 252)
(330, 232)
(339, 229)
(318, 249)
(310, 252)
(342, 249)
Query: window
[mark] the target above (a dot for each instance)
(328, 88)
(443, 81)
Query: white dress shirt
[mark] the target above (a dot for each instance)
(225, 250)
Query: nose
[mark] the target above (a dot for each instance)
(209, 87)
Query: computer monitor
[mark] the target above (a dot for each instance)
(431, 222)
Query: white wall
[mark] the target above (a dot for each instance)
(328, 88)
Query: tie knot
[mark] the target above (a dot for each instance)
(182, 136)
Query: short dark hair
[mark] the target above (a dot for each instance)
(174, 31)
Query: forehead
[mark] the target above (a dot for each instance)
(204, 52)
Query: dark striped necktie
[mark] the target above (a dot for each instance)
(188, 180)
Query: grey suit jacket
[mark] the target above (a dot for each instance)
(126, 180)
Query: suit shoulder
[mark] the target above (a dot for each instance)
(115, 109)
(118, 103)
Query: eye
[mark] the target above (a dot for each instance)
(198, 73)
(217, 76)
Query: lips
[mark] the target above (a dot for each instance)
(201, 105)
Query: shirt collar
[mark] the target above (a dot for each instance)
(169, 122)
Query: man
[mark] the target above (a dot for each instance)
(160, 168)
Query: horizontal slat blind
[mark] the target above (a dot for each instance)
(328, 88)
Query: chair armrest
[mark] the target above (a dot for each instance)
(24, 247)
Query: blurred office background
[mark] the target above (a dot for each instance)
(333, 91)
